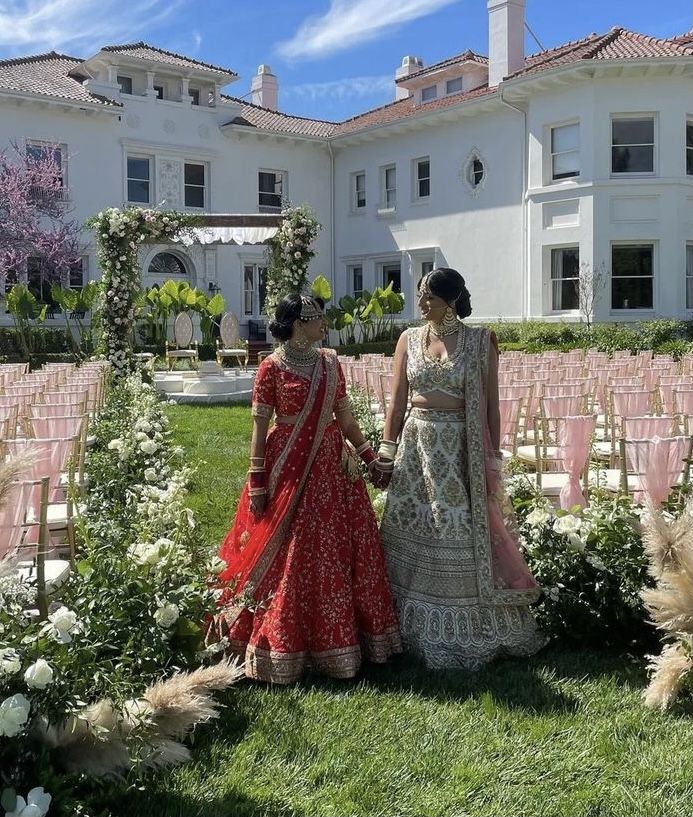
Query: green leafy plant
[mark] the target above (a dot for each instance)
(26, 311)
(75, 304)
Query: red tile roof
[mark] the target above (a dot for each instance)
(459, 59)
(48, 75)
(617, 44)
(405, 108)
(144, 51)
(265, 119)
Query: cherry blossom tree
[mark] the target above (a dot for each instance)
(33, 215)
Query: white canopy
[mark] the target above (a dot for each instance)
(227, 235)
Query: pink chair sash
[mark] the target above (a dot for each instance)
(56, 427)
(574, 437)
(562, 406)
(644, 428)
(631, 403)
(658, 462)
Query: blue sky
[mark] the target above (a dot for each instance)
(333, 58)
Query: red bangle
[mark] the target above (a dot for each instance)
(256, 479)
(368, 456)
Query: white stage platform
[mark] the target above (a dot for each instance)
(210, 385)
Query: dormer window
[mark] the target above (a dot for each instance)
(429, 93)
(125, 84)
(453, 86)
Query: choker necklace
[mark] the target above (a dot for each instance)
(298, 357)
(448, 326)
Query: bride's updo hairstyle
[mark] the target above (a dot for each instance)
(288, 311)
(448, 284)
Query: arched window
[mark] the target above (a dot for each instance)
(473, 172)
(166, 263)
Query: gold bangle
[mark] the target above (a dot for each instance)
(257, 491)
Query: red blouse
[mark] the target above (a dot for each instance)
(286, 391)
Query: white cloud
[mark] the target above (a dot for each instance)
(349, 88)
(197, 41)
(78, 25)
(349, 23)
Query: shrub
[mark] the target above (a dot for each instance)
(592, 566)
(382, 347)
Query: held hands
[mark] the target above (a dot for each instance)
(380, 472)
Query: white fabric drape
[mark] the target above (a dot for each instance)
(227, 235)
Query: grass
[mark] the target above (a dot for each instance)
(563, 733)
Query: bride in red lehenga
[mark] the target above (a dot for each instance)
(305, 583)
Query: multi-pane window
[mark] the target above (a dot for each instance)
(39, 282)
(77, 274)
(426, 267)
(422, 189)
(270, 190)
(633, 145)
(632, 276)
(254, 289)
(475, 172)
(125, 84)
(194, 185)
(194, 94)
(454, 86)
(392, 274)
(139, 179)
(565, 278)
(565, 151)
(689, 276)
(429, 93)
(356, 274)
(388, 181)
(43, 151)
(689, 148)
(358, 191)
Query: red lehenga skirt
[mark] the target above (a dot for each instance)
(324, 600)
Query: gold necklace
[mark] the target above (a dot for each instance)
(298, 357)
(448, 326)
(441, 363)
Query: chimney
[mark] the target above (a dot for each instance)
(265, 88)
(410, 65)
(506, 39)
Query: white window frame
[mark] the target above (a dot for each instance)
(351, 271)
(381, 272)
(62, 147)
(552, 154)
(353, 185)
(164, 90)
(257, 265)
(624, 117)
(271, 208)
(458, 80)
(85, 274)
(388, 195)
(432, 91)
(653, 277)
(555, 282)
(150, 180)
(689, 275)
(689, 148)
(416, 179)
(191, 94)
(132, 84)
(205, 186)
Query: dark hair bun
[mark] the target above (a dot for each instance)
(448, 284)
(288, 311)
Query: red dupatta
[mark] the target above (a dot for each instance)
(253, 543)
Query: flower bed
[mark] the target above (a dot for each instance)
(127, 616)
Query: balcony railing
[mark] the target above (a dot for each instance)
(39, 193)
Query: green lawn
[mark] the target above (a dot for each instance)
(561, 734)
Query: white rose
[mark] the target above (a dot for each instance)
(150, 475)
(143, 425)
(140, 435)
(216, 565)
(538, 517)
(14, 713)
(144, 553)
(63, 624)
(37, 803)
(148, 446)
(10, 662)
(567, 524)
(39, 675)
(167, 615)
(114, 445)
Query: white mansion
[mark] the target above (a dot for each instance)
(515, 170)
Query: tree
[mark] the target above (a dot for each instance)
(33, 215)
(591, 284)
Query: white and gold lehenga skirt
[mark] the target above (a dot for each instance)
(428, 536)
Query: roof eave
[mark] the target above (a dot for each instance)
(491, 96)
(252, 130)
(32, 96)
(420, 78)
(147, 63)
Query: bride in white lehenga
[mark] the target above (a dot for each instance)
(460, 583)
